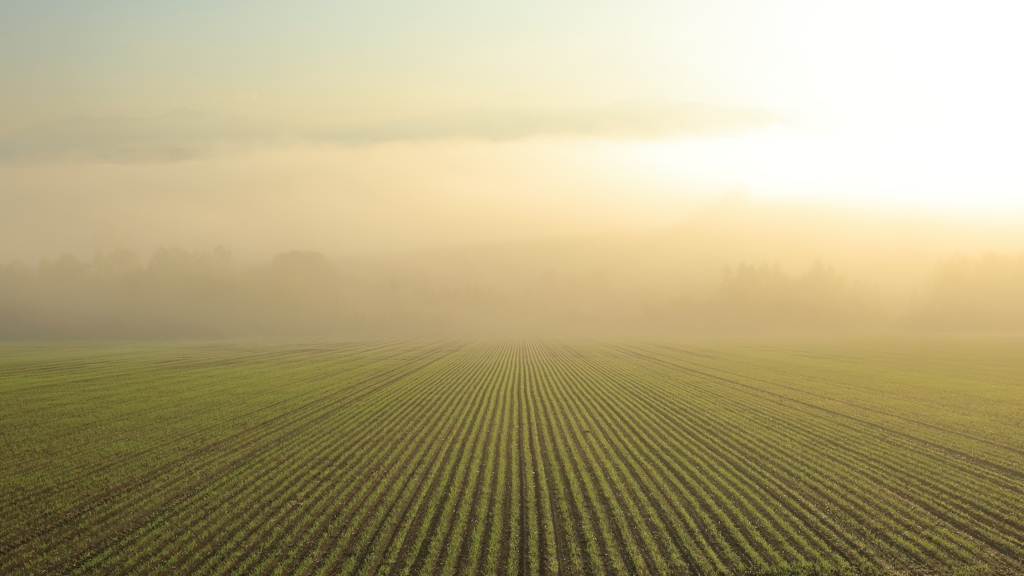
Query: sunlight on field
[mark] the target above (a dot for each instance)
(839, 457)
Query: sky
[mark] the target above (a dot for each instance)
(322, 61)
(318, 62)
(898, 105)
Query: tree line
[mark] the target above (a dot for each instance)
(180, 293)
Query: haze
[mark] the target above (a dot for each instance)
(226, 168)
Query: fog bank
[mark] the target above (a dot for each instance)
(702, 277)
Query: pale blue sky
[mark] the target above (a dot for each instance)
(332, 61)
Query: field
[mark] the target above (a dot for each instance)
(888, 455)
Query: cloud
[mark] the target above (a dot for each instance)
(187, 134)
(182, 134)
(622, 120)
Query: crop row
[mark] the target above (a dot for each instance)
(522, 457)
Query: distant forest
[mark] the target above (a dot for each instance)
(178, 293)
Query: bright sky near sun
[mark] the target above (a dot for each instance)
(902, 101)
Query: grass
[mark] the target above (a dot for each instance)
(890, 455)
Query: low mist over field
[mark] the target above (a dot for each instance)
(734, 265)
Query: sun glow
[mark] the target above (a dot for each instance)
(896, 103)
(936, 169)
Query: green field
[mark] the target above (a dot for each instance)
(841, 456)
